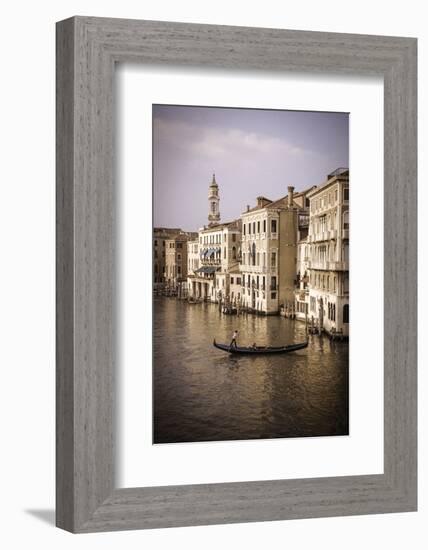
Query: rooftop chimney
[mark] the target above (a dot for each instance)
(248, 207)
(290, 196)
(262, 201)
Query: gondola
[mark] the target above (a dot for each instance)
(259, 350)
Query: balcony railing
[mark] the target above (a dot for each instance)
(339, 266)
(328, 265)
(216, 261)
(327, 235)
(253, 268)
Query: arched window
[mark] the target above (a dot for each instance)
(346, 313)
(258, 258)
(254, 254)
(234, 253)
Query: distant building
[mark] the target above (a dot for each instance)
(176, 262)
(219, 247)
(270, 232)
(160, 236)
(168, 256)
(235, 289)
(219, 252)
(302, 279)
(328, 253)
(192, 257)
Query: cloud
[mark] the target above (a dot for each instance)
(216, 142)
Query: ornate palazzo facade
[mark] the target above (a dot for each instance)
(270, 232)
(328, 253)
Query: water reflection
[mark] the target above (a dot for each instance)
(204, 394)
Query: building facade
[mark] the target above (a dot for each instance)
(328, 254)
(176, 262)
(270, 233)
(192, 257)
(235, 290)
(218, 253)
(160, 236)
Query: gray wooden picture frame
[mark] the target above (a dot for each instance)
(87, 50)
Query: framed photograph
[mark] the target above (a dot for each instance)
(236, 274)
(252, 274)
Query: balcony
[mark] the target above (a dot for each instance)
(317, 264)
(339, 266)
(328, 265)
(253, 268)
(216, 262)
(327, 235)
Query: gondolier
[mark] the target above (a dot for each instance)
(234, 337)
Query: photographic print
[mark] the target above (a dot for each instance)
(250, 274)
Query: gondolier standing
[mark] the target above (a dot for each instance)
(234, 337)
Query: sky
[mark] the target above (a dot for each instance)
(252, 152)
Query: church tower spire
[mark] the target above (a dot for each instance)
(213, 203)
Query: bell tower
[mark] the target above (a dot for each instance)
(213, 203)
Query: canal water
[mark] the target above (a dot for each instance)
(203, 394)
